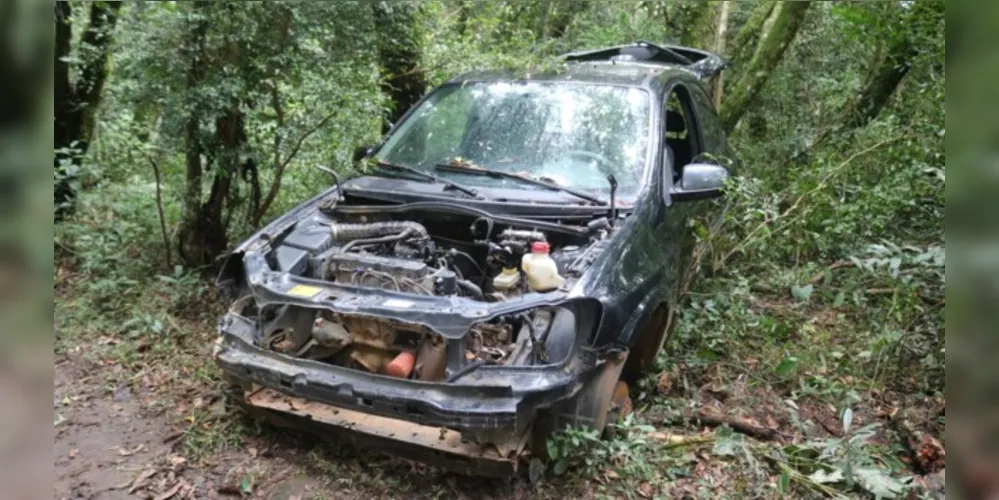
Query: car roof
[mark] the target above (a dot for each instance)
(641, 64)
(652, 77)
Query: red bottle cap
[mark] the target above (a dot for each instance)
(540, 247)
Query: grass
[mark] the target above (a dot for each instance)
(762, 348)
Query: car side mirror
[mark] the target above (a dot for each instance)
(362, 152)
(700, 181)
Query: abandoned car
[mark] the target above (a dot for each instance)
(498, 268)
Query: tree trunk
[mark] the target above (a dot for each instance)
(719, 80)
(772, 46)
(399, 57)
(75, 105)
(204, 233)
(889, 71)
(190, 248)
(745, 40)
(463, 15)
(689, 22)
(565, 13)
(881, 83)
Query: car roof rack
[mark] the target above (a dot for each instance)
(705, 64)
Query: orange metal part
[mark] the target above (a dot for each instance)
(402, 365)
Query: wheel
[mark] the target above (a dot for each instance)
(649, 343)
(601, 400)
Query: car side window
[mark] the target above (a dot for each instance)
(711, 127)
(682, 139)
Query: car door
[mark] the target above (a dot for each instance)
(712, 134)
(686, 143)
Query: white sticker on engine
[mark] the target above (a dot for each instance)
(402, 304)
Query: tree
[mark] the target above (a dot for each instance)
(767, 56)
(77, 96)
(561, 15)
(913, 21)
(745, 39)
(399, 56)
(691, 22)
(718, 84)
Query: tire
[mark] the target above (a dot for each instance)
(646, 349)
(591, 408)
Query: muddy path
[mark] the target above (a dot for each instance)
(101, 441)
(109, 443)
(114, 441)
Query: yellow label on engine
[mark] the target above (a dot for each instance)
(304, 291)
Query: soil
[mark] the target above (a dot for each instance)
(101, 440)
(108, 444)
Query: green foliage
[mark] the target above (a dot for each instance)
(584, 448)
(824, 281)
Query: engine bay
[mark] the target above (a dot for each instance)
(431, 254)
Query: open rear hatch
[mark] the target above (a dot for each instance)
(705, 64)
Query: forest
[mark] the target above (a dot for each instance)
(814, 326)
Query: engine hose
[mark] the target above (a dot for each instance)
(349, 232)
(461, 372)
(371, 241)
(469, 258)
(537, 348)
(471, 288)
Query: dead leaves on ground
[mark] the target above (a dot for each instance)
(163, 481)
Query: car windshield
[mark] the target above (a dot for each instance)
(571, 134)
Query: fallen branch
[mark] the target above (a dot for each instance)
(737, 424)
(832, 267)
(677, 441)
(804, 480)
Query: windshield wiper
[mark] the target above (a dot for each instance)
(430, 177)
(523, 178)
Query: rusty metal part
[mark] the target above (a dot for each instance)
(431, 360)
(492, 339)
(435, 445)
(621, 400)
(330, 333)
(371, 358)
(285, 345)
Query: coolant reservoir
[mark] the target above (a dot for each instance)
(506, 280)
(540, 269)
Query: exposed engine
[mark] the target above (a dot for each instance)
(424, 257)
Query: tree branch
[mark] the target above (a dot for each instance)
(797, 202)
(737, 424)
(159, 208)
(279, 169)
(279, 118)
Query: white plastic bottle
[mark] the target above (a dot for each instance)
(540, 269)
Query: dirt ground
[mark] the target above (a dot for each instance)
(114, 442)
(109, 445)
